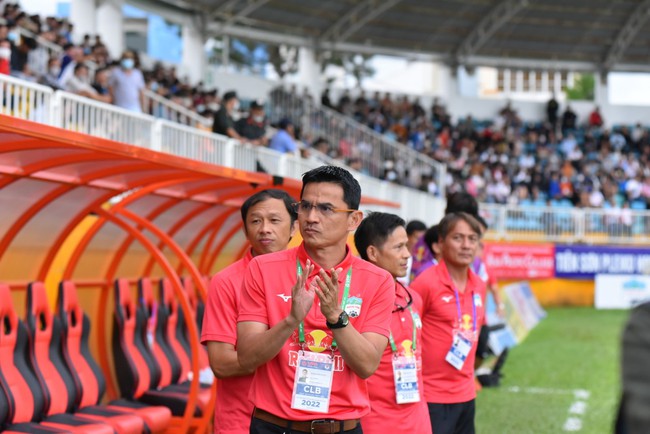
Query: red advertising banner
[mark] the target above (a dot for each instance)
(520, 261)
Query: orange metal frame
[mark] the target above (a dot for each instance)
(185, 307)
(128, 173)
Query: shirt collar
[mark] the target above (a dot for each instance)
(445, 279)
(344, 264)
(248, 257)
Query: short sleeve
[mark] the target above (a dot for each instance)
(252, 305)
(220, 320)
(419, 285)
(378, 316)
(141, 83)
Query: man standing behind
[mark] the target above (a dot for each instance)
(127, 84)
(253, 127)
(319, 308)
(223, 118)
(453, 299)
(284, 140)
(396, 388)
(268, 218)
(414, 230)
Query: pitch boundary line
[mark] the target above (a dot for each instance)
(577, 409)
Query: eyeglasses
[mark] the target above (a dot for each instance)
(409, 300)
(324, 209)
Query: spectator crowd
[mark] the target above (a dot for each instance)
(88, 68)
(557, 160)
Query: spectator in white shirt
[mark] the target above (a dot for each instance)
(127, 84)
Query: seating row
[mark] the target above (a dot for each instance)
(50, 383)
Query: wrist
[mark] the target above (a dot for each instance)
(291, 321)
(334, 317)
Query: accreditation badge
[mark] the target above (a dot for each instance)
(312, 384)
(405, 375)
(460, 349)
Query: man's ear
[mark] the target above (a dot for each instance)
(294, 228)
(354, 220)
(373, 254)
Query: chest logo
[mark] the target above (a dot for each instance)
(284, 298)
(446, 298)
(467, 322)
(353, 307)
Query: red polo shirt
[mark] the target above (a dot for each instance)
(444, 384)
(266, 298)
(385, 411)
(233, 410)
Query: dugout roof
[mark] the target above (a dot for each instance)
(89, 209)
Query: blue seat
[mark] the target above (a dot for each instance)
(638, 205)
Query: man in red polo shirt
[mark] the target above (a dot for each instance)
(315, 308)
(396, 388)
(453, 310)
(269, 223)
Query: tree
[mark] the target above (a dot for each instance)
(357, 66)
(284, 59)
(583, 88)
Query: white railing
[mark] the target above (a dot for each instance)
(77, 113)
(37, 103)
(26, 100)
(163, 108)
(584, 225)
(352, 139)
(192, 143)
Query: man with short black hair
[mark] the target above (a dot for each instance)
(284, 140)
(315, 307)
(453, 310)
(396, 389)
(223, 118)
(269, 224)
(253, 127)
(414, 231)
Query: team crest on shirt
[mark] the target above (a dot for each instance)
(353, 307)
(477, 300)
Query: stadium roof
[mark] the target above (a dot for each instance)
(599, 35)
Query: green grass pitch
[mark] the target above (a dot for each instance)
(564, 377)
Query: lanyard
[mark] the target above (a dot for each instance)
(460, 313)
(460, 319)
(344, 301)
(414, 338)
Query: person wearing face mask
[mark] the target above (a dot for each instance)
(223, 119)
(51, 77)
(126, 84)
(5, 57)
(253, 127)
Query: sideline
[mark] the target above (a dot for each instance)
(577, 409)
